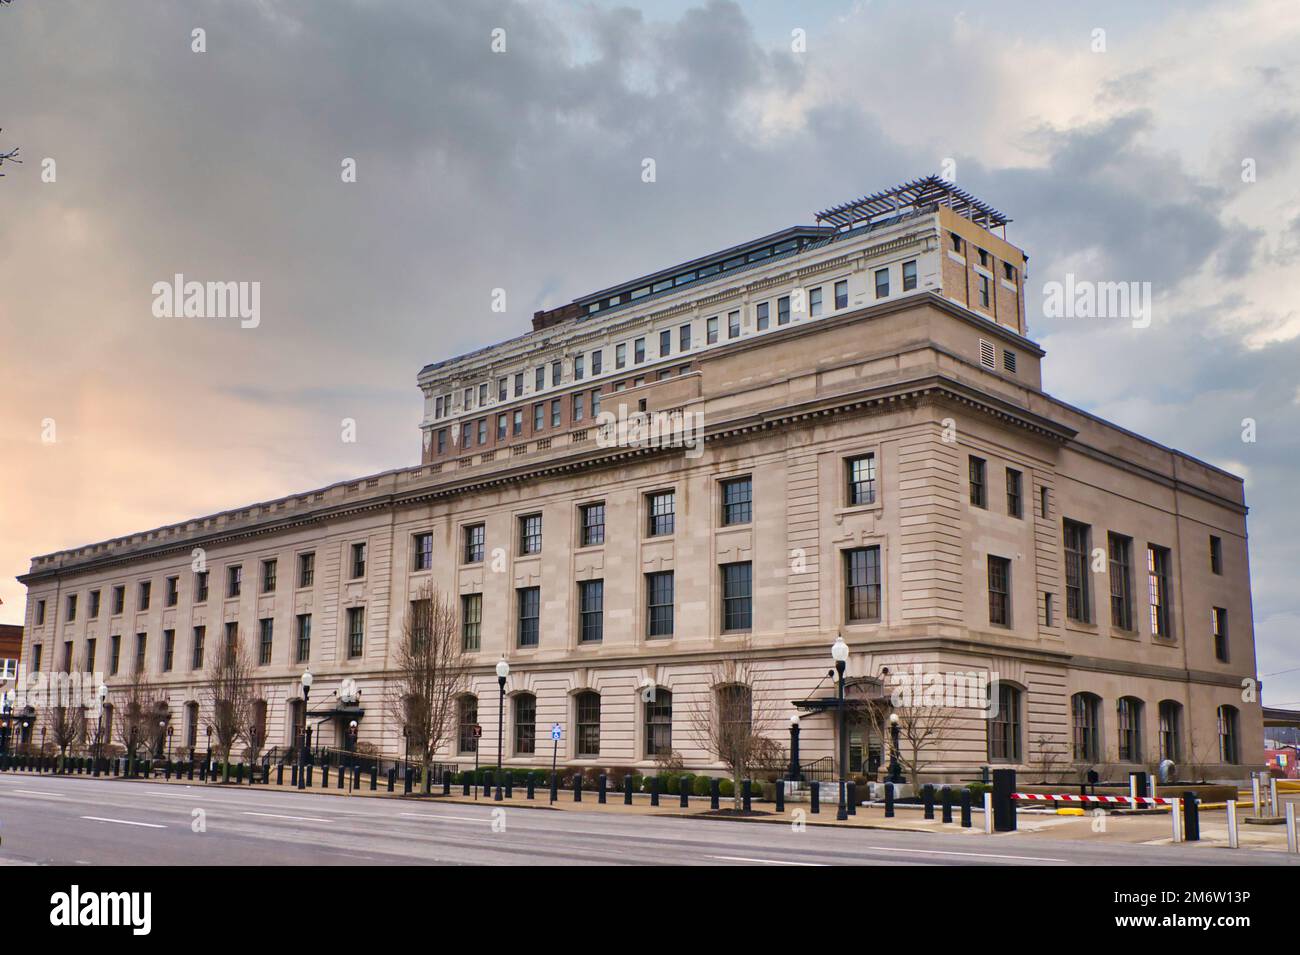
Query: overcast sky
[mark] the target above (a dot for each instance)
(521, 170)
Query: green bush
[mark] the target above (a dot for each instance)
(637, 780)
(726, 788)
(701, 785)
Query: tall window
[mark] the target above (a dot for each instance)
(146, 590)
(268, 576)
(10, 671)
(660, 512)
(141, 642)
(115, 654)
(1219, 624)
(783, 310)
(659, 724)
(119, 595)
(1171, 730)
(710, 331)
(306, 569)
(234, 580)
(665, 343)
(525, 724)
(1128, 713)
(978, 483)
(1078, 601)
(814, 302)
(1085, 710)
(761, 317)
(578, 411)
(1015, 499)
(358, 560)
(530, 534)
(1121, 580)
(471, 621)
(862, 479)
(529, 600)
(591, 610)
(862, 584)
(659, 604)
(842, 293)
(423, 556)
(592, 521)
(588, 735)
(684, 338)
(1158, 569)
(882, 283)
(909, 275)
(737, 596)
(737, 501)
(1216, 555)
(356, 631)
(196, 653)
(1229, 751)
(173, 595)
(72, 606)
(474, 537)
(303, 643)
(466, 724)
(169, 650)
(733, 325)
(1004, 727)
(265, 638)
(1000, 591)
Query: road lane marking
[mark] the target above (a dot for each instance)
(970, 855)
(36, 792)
(175, 795)
(125, 822)
(763, 861)
(437, 817)
(276, 815)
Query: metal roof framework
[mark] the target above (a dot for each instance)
(930, 190)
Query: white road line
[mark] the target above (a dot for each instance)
(125, 822)
(175, 795)
(763, 861)
(966, 855)
(36, 792)
(276, 815)
(438, 817)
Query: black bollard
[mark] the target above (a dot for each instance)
(356, 777)
(510, 785)
(851, 797)
(815, 805)
(374, 777)
(965, 808)
(555, 786)
(1191, 817)
(325, 776)
(654, 790)
(927, 799)
(446, 782)
(947, 804)
(532, 786)
(684, 788)
(1004, 807)
(715, 791)
(309, 774)
(601, 784)
(889, 800)
(293, 775)
(780, 795)
(94, 770)
(746, 793)
(627, 790)
(203, 771)
(498, 795)
(167, 771)
(487, 783)
(279, 774)
(465, 783)
(392, 777)
(577, 787)
(408, 779)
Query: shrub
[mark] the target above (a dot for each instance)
(726, 788)
(701, 785)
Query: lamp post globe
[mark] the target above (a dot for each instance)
(795, 772)
(895, 770)
(503, 671)
(304, 741)
(840, 654)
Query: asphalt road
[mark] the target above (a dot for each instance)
(84, 821)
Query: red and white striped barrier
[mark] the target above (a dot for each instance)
(1064, 797)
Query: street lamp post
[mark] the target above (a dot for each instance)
(207, 756)
(795, 772)
(162, 732)
(304, 739)
(503, 671)
(840, 654)
(352, 750)
(895, 770)
(170, 730)
(102, 694)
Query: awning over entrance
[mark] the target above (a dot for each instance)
(343, 712)
(860, 694)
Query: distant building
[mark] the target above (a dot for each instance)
(1284, 762)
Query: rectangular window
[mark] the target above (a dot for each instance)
(733, 325)
(169, 650)
(783, 310)
(737, 501)
(984, 290)
(1216, 556)
(530, 534)
(1015, 502)
(501, 389)
(539, 416)
(684, 338)
(660, 512)
(358, 560)
(502, 426)
(471, 621)
(306, 569)
(146, 592)
(1159, 566)
(356, 631)
(268, 576)
(592, 519)
(711, 330)
(882, 283)
(1078, 598)
(172, 592)
(665, 343)
(467, 434)
(37, 649)
(580, 368)
(302, 646)
(557, 373)
(475, 535)
(114, 657)
(555, 412)
(978, 483)
(517, 422)
(234, 580)
(861, 479)
(1044, 503)
(862, 585)
(482, 394)
(72, 607)
(842, 294)
(814, 302)
(482, 427)
(591, 610)
(909, 275)
(1049, 610)
(141, 645)
(119, 595)
(529, 602)
(422, 559)
(9, 673)
(1219, 623)
(638, 350)
(1120, 550)
(761, 316)
(442, 440)
(597, 361)
(196, 649)
(525, 724)
(40, 613)
(595, 402)
(576, 413)
(266, 637)
(620, 355)
(999, 591)
(67, 656)
(519, 384)
(737, 596)
(659, 604)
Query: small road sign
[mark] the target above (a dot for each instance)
(557, 732)
(478, 731)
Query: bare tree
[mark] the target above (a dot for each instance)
(921, 727)
(253, 733)
(8, 155)
(229, 691)
(135, 712)
(431, 671)
(729, 723)
(66, 725)
(1050, 755)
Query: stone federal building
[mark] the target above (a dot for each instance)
(878, 461)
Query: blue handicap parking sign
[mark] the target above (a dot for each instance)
(557, 731)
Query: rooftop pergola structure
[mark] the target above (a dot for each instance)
(914, 195)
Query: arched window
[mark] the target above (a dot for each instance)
(1004, 726)
(1086, 714)
(1128, 713)
(1229, 751)
(659, 723)
(1171, 730)
(466, 719)
(588, 736)
(191, 725)
(525, 724)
